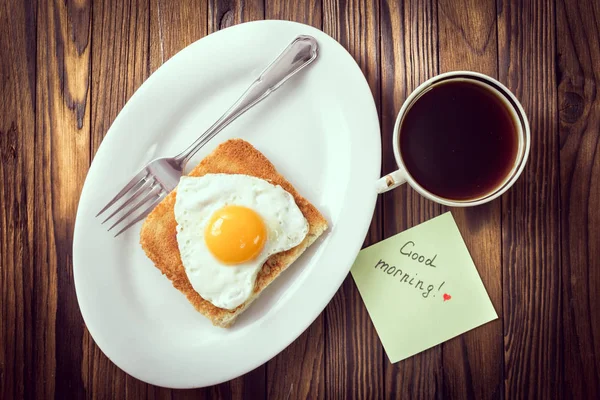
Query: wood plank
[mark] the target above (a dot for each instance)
(298, 371)
(578, 35)
(473, 362)
(353, 352)
(304, 11)
(120, 54)
(119, 66)
(533, 338)
(62, 158)
(21, 333)
(173, 26)
(225, 13)
(408, 56)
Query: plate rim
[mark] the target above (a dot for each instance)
(377, 161)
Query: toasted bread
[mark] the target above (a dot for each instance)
(158, 234)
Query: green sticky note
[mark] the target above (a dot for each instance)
(421, 288)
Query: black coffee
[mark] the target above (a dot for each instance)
(458, 140)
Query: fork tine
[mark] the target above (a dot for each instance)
(133, 183)
(142, 189)
(143, 214)
(155, 191)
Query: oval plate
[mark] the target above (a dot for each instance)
(320, 130)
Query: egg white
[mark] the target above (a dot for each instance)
(228, 286)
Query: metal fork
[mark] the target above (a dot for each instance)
(158, 178)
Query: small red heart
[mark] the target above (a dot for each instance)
(447, 297)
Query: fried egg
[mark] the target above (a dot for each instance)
(227, 227)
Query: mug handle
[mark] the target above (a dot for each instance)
(390, 181)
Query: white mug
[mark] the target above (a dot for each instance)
(402, 175)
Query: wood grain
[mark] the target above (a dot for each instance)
(353, 352)
(21, 331)
(62, 158)
(298, 372)
(578, 41)
(304, 11)
(473, 362)
(173, 26)
(120, 54)
(225, 13)
(409, 56)
(533, 338)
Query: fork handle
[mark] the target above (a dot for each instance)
(297, 55)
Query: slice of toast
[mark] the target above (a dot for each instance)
(158, 234)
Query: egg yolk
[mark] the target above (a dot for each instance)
(235, 234)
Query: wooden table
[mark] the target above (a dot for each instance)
(68, 67)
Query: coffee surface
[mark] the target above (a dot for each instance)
(459, 140)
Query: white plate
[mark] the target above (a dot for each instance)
(322, 133)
